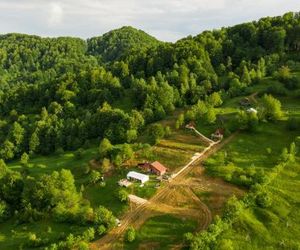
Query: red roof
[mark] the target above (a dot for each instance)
(158, 166)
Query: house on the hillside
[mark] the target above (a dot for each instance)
(132, 175)
(154, 167)
(218, 135)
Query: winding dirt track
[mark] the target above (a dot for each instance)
(160, 203)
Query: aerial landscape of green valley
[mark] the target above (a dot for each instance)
(125, 141)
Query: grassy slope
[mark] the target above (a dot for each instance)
(47, 164)
(13, 236)
(250, 149)
(276, 227)
(161, 232)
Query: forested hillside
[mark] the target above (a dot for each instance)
(59, 94)
(121, 43)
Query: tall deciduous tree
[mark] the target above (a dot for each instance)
(271, 108)
(105, 148)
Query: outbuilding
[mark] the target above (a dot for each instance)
(154, 167)
(124, 183)
(218, 135)
(132, 175)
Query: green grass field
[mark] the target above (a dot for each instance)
(275, 227)
(14, 236)
(161, 232)
(47, 164)
(261, 148)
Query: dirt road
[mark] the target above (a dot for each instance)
(159, 202)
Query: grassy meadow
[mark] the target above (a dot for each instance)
(161, 232)
(275, 227)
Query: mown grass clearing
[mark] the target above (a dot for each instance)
(162, 232)
(47, 164)
(14, 236)
(106, 195)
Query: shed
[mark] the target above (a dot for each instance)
(132, 175)
(218, 135)
(124, 183)
(154, 167)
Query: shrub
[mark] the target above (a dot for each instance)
(215, 99)
(122, 195)
(284, 155)
(101, 230)
(88, 234)
(130, 234)
(24, 159)
(180, 121)
(156, 132)
(263, 199)
(271, 108)
(103, 216)
(167, 131)
(34, 241)
(105, 148)
(94, 177)
(284, 73)
(225, 244)
(105, 166)
(83, 246)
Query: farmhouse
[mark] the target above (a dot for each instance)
(154, 167)
(132, 175)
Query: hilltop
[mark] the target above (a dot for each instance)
(119, 43)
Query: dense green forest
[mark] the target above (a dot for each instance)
(60, 94)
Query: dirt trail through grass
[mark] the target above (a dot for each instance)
(163, 202)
